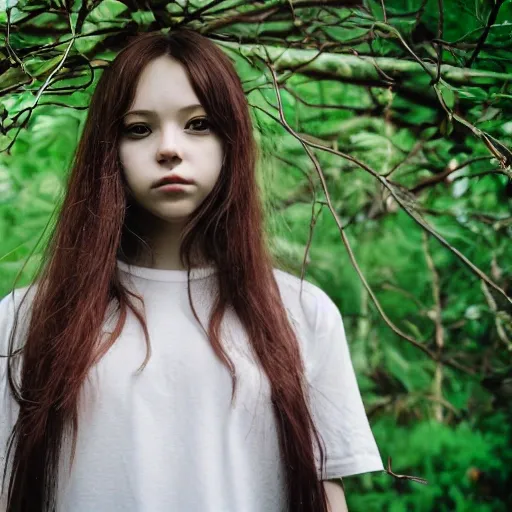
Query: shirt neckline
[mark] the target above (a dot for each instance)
(157, 274)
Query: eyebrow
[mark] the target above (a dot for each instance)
(152, 112)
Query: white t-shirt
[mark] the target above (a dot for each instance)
(167, 438)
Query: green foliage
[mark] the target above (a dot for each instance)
(417, 168)
(466, 469)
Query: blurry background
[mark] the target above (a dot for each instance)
(384, 129)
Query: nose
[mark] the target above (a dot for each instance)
(169, 146)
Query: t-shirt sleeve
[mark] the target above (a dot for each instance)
(336, 402)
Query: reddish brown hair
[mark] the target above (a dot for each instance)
(80, 277)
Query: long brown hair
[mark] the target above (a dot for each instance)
(80, 277)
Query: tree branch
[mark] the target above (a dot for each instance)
(492, 18)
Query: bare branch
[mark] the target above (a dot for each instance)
(492, 18)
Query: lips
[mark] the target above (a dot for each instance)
(172, 179)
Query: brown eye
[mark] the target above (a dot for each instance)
(136, 129)
(199, 124)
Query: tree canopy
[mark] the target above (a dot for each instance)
(385, 135)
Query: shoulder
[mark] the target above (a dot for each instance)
(305, 296)
(17, 299)
(16, 303)
(312, 313)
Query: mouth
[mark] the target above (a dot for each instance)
(173, 187)
(172, 180)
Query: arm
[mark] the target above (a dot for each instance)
(335, 495)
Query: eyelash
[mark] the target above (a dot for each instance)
(128, 129)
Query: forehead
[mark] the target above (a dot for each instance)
(164, 86)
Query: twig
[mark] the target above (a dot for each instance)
(492, 18)
(439, 48)
(384, 15)
(38, 95)
(306, 145)
(404, 477)
(437, 178)
(403, 197)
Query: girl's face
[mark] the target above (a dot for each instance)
(166, 132)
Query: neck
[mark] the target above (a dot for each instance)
(164, 239)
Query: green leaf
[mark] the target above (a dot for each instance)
(37, 66)
(447, 94)
(108, 10)
(7, 4)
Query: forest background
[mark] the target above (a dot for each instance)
(385, 130)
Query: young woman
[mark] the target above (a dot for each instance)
(161, 361)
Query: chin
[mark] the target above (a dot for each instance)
(174, 214)
(178, 218)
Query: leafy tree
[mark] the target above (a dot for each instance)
(385, 133)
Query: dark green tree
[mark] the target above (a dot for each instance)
(385, 129)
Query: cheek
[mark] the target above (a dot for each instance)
(127, 155)
(124, 161)
(130, 164)
(213, 167)
(213, 156)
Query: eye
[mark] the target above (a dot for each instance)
(199, 122)
(137, 130)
